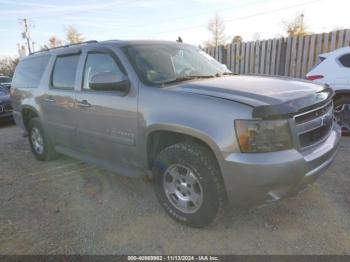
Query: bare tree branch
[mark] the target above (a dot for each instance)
(8, 65)
(217, 28)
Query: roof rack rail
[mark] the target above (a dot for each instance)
(64, 46)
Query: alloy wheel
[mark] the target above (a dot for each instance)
(182, 188)
(37, 141)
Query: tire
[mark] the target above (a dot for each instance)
(47, 151)
(203, 181)
(342, 113)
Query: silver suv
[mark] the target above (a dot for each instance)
(171, 112)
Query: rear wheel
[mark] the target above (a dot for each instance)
(188, 184)
(39, 142)
(342, 113)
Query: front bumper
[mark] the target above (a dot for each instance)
(5, 111)
(6, 116)
(265, 177)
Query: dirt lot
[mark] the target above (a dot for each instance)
(66, 206)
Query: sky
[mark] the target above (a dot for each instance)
(163, 19)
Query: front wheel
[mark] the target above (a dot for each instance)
(188, 184)
(342, 114)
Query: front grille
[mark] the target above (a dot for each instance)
(314, 126)
(7, 108)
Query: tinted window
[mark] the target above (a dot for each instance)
(319, 61)
(99, 63)
(29, 72)
(5, 79)
(345, 60)
(64, 72)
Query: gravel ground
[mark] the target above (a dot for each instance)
(68, 207)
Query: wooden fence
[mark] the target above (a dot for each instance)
(292, 56)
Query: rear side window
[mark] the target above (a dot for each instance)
(345, 60)
(30, 71)
(64, 72)
(319, 61)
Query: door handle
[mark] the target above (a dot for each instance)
(84, 103)
(49, 99)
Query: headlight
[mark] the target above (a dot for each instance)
(256, 136)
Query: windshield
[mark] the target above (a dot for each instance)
(165, 63)
(5, 79)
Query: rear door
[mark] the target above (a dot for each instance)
(59, 101)
(107, 120)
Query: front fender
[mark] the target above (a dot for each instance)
(189, 131)
(208, 119)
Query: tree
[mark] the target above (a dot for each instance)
(73, 36)
(8, 65)
(237, 39)
(52, 43)
(296, 26)
(217, 28)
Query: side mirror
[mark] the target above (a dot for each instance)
(108, 81)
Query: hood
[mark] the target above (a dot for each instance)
(268, 95)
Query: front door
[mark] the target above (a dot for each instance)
(107, 120)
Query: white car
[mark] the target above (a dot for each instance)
(333, 69)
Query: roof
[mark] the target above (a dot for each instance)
(138, 42)
(337, 52)
(77, 47)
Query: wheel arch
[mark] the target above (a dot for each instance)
(159, 138)
(27, 113)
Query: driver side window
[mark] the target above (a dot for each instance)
(97, 63)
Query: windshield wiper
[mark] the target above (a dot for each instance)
(186, 78)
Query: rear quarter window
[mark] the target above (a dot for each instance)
(319, 61)
(29, 72)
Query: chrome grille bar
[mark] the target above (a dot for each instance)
(313, 126)
(7, 108)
